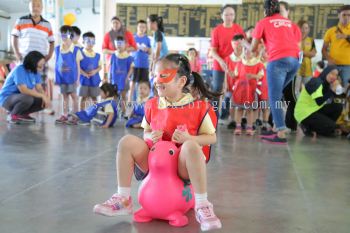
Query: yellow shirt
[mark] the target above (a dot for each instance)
(206, 127)
(305, 69)
(339, 49)
(108, 107)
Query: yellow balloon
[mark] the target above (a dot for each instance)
(69, 19)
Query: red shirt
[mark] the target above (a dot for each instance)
(196, 66)
(108, 44)
(280, 35)
(231, 65)
(168, 119)
(221, 38)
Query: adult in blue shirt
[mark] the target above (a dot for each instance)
(22, 92)
(141, 56)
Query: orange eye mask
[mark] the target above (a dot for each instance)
(165, 76)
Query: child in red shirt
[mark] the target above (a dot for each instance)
(244, 93)
(231, 61)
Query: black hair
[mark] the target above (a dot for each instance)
(238, 37)
(89, 34)
(248, 28)
(141, 21)
(158, 20)
(119, 38)
(227, 6)
(31, 61)
(67, 30)
(285, 4)
(344, 8)
(110, 90)
(321, 64)
(184, 69)
(271, 7)
(76, 30)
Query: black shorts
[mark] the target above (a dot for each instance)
(140, 74)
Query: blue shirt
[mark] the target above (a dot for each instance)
(158, 36)
(141, 57)
(18, 76)
(119, 69)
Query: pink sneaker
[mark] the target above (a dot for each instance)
(206, 217)
(116, 205)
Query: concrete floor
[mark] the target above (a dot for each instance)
(52, 175)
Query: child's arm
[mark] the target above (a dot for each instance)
(131, 70)
(203, 139)
(108, 121)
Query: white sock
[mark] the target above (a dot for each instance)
(124, 191)
(200, 198)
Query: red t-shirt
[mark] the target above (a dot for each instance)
(231, 65)
(108, 44)
(280, 35)
(221, 38)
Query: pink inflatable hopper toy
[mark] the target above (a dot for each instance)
(162, 194)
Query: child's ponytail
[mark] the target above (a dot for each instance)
(203, 90)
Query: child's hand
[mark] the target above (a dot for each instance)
(250, 76)
(156, 135)
(180, 136)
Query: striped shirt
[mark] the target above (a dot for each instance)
(33, 36)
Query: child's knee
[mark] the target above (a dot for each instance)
(191, 149)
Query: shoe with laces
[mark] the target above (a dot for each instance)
(26, 118)
(62, 120)
(72, 120)
(206, 217)
(116, 205)
(237, 131)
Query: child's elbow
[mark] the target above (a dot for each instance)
(213, 138)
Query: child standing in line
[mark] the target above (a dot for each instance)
(163, 115)
(67, 71)
(138, 112)
(90, 65)
(122, 66)
(76, 37)
(231, 61)
(244, 92)
(141, 56)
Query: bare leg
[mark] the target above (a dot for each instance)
(131, 150)
(65, 104)
(82, 103)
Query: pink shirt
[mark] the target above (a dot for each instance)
(281, 36)
(221, 38)
(196, 66)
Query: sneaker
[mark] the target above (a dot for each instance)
(237, 131)
(206, 217)
(267, 134)
(26, 118)
(72, 121)
(13, 119)
(232, 125)
(61, 120)
(275, 140)
(116, 205)
(258, 122)
(49, 111)
(250, 131)
(83, 123)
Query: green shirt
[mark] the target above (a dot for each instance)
(306, 104)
